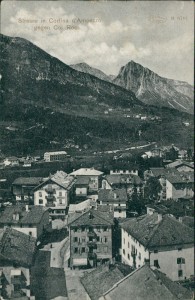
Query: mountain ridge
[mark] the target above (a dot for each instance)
(153, 89)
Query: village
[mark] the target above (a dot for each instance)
(123, 228)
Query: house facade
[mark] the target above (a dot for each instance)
(116, 198)
(163, 241)
(55, 156)
(94, 177)
(179, 186)
(91, 238)
(23, 186)
(17, 252)
(29, 220)
(55, 193)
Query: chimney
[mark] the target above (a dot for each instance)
(115, 195)
(160, 217)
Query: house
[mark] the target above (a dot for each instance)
(55, 192)
(82, 186)
(127, 181)
(146, 283)
(11, 161)
(22, 187)
(93, 175)
(181, 166)
(47, 282)
(55, 156)
(117, 198)
(31, 220)
(99, 281)
(155, 152)
(163, 241)
(17, 251)
(179, 185)
(91, 238)
(119, 171)
(82, 206)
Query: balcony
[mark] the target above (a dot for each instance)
(50, 191)
(92, 244)
(92, 255)
(92, 234)
(50, 198)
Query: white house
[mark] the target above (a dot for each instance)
(93, 175)
(163, 241)
(54, 156)
(55, 192)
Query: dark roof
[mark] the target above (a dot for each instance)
(153, 233)
(82, 180)
(97, 282)
(17, 247)
(180, 177)
(178, 163)
(48, 283)
(28, 181)
(112, 195)
(157, 172)
(32, 216)
(93, 217)
(145, 283)
(188, 221)
(116, 179)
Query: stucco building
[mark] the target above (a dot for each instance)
(163, 241)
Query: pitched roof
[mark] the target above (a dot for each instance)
(86, 171)
(48, 283)
(17, 247)
(93, 217)
(160, 171)
(97, 282)
(180, 177)
(123, 179)
(32, 216)
(179, 163)
(82, 180)
(112, 195)
(151, 232)
(80, 206)
(28, 181)
(60, 178)
(145, 283)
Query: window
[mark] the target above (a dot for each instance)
(76, 250)
(83, 250)
(75, 239)
(105, 239)
(128, 245)
(82, 229)
(75, 229)
(155, 251)
(180, 273)
(124, 241)
(128, 256)
(60, 201)
(124, 251)
(180, 260)
(40, 201)
(139, 256)
(90, 239)
(60, 194)
(179, 249)
(105, 249)
(30, 233)
(105, 228)
(40, 194)
(156, 263)
(98, 238)
(83, 239)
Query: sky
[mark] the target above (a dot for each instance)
(157, 34)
